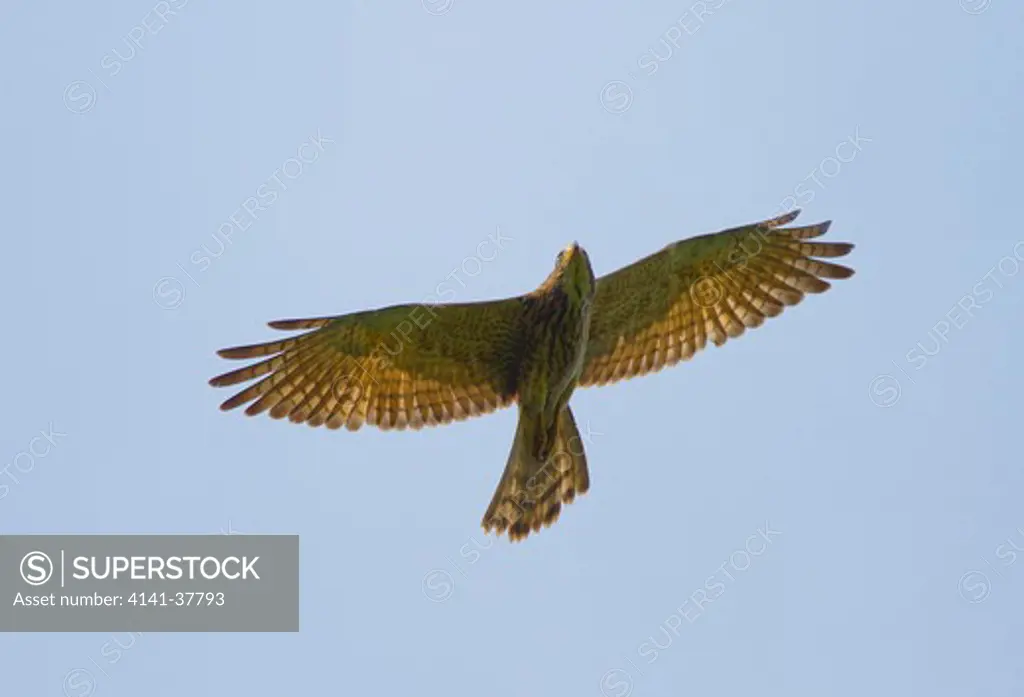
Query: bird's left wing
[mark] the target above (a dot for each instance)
(664, 308)
(395, 367)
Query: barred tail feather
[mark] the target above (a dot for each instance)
(531, 492)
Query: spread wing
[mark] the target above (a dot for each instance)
(396, 367)
(664, 308)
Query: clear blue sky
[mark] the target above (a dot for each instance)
(890, 478)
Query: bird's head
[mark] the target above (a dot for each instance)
(574, 273)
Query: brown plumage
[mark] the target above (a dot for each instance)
(409, 366)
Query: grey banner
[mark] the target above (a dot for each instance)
(149, 583)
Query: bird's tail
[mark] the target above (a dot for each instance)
(531, 491)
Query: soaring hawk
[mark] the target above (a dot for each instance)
(415, 365)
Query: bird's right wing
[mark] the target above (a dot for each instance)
(664, 308)
(395, 367)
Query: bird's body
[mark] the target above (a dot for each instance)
(554, 330)
(546, 466)
(409, 366)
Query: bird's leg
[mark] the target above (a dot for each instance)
(548, 435)
(546, 442)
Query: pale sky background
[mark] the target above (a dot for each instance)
(890, 479)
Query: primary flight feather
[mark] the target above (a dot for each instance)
(409, 366)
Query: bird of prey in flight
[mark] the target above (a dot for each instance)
(415, 365)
